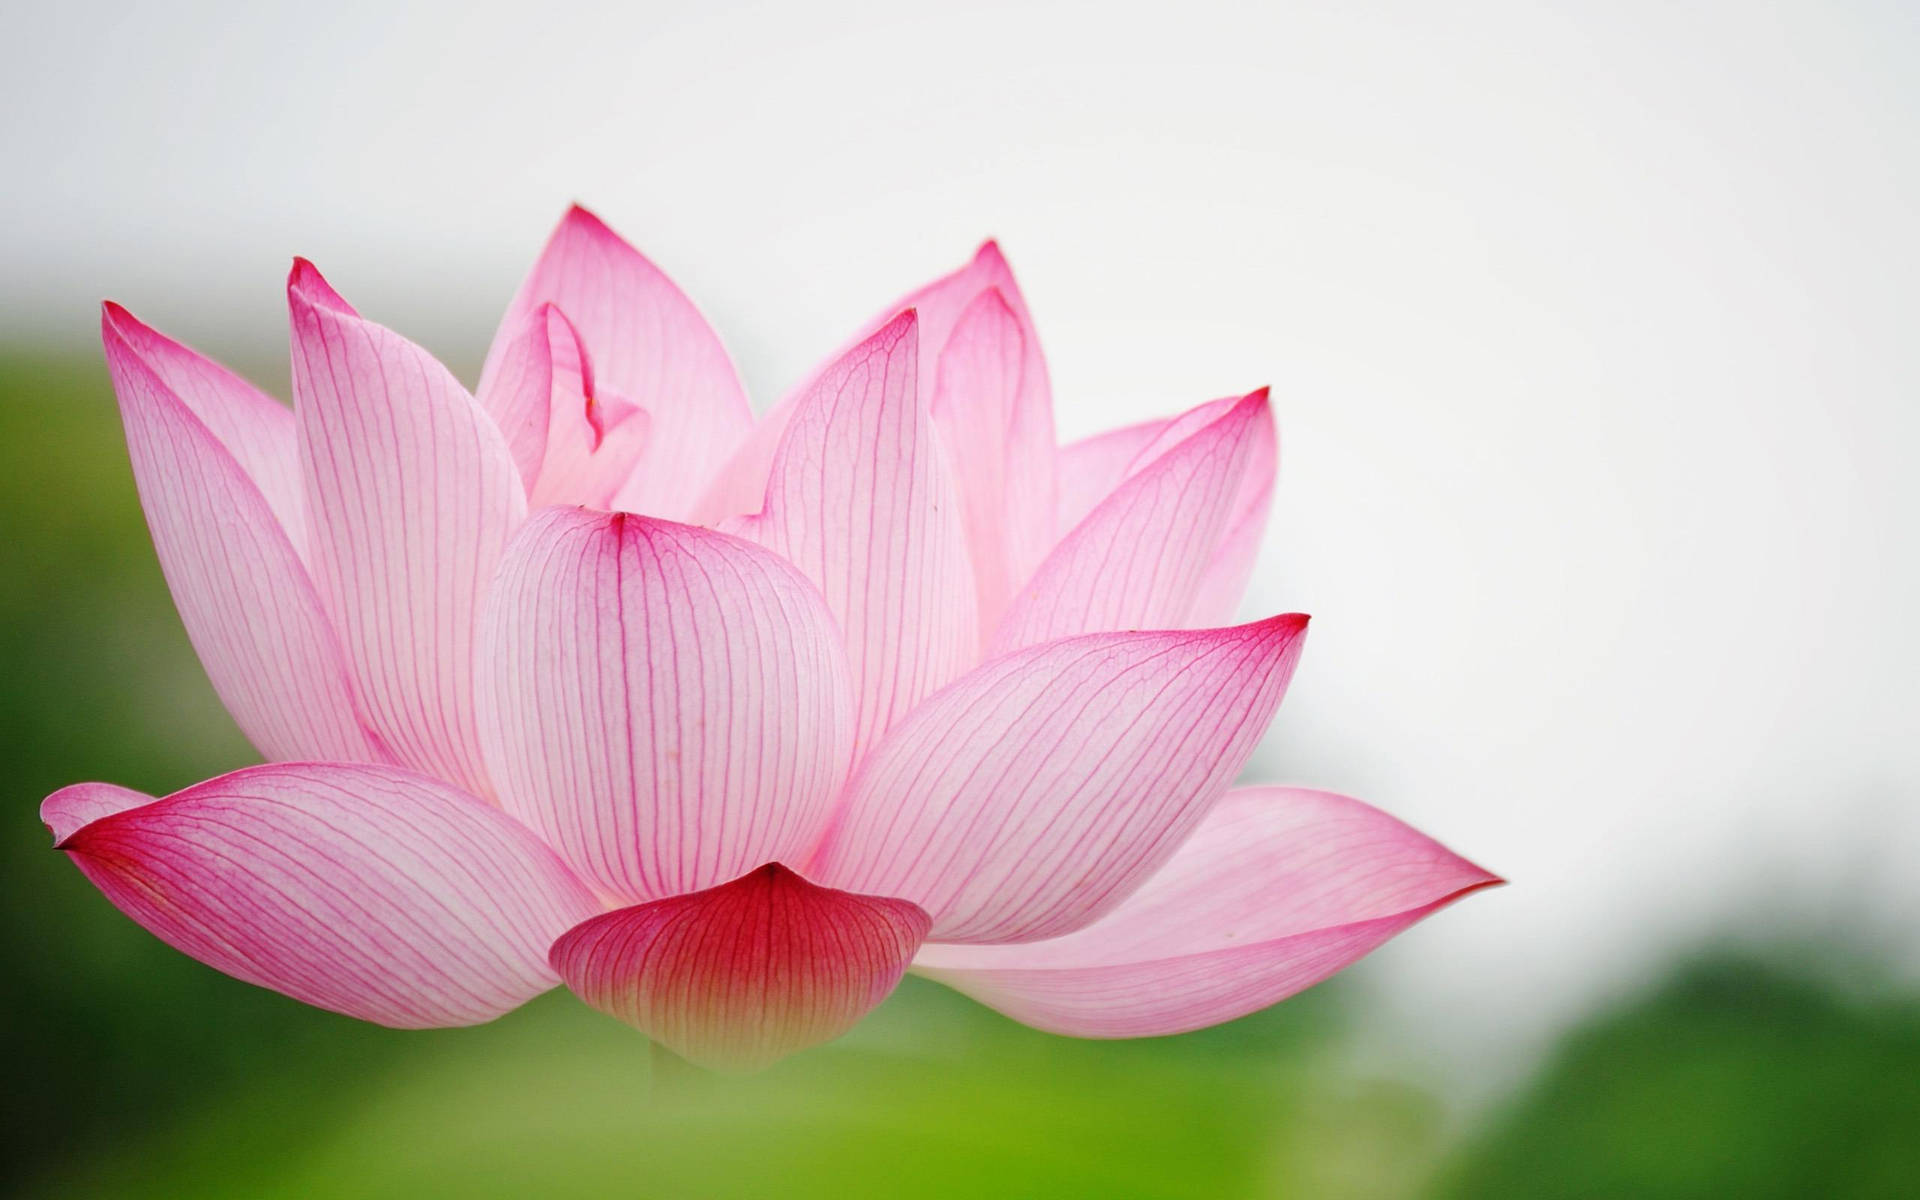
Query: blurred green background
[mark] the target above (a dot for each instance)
(1759, 1072)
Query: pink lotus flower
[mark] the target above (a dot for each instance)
(591, 678)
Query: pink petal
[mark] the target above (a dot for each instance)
(1139, 558)
(411, 495)
(984, 379)
(650, 346)
(250, 425)
(1277, 889)
(991, 401)
(861, 499)
(1091, 468)
(1036, 793)
(743, 974)
(365, 890)
(668, 705)
(573, 442)
(242, 591)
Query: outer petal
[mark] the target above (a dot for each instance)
(860, 498)
(1278, 889)
(669, 706)
(412, 493)
(241, 589)
(650, 346)
(1037, 792)
(253, 427)
(742, 974)
(1139, 558)
(572, 443)
(365, 890)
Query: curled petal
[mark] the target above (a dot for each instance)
(243, 593)
(365, 890)
(1140, 558)
(411, 495)
(573, 442)
(650, 346)
(668, 705)
(1277, 889)
(1035, 793)
(861, 500)
(740, 975)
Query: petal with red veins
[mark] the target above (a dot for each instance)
(667, 705)
(743, 974)
(998, 420)
(365, 890)
(1277, 889)
(984, 379)
(243, 593)
(411, 496)
(1093, 468)
(250, 425)
(650, 346)
(861, 499)
(573, 442)
(1139, 559)
(1034, 794)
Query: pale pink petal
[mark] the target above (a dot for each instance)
(365, 890)
(250, 425)
(1277, 889)
(1036, 793)
(649, 346)
(573, 441)
(991, 401)
(743, 974)
(861, 499)
(668, 705)
(985, 380)
(1091, 468)
(739, 487)
(1139, 558)
(243, 594)
(411, 495)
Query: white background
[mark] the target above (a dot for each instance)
(1590, 329)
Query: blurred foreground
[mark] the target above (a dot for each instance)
(136, 1072)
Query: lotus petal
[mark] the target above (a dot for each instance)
(1035, 793)
(650, 346)
(411, 495)
(242, 591)
(1277, 889)
(366, 890)
(669, 706)
(740, 975)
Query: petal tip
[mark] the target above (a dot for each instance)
(306, 285)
